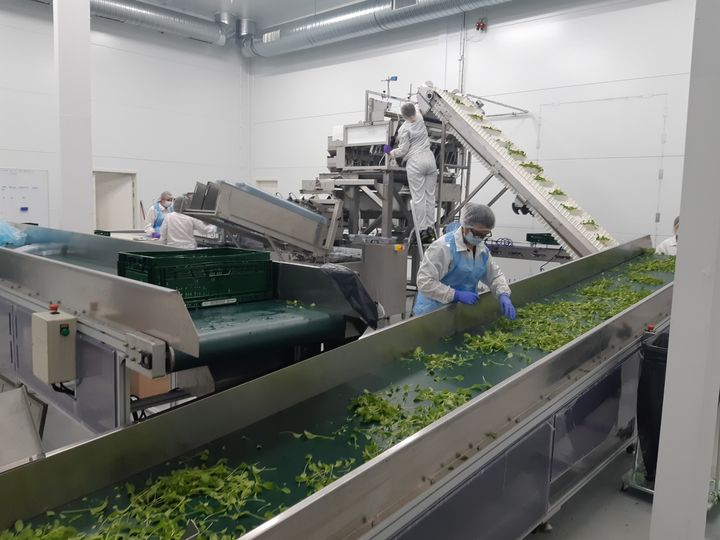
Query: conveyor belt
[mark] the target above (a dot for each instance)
(229, 333)
(574, 228)
(270, 442)
(226, 333)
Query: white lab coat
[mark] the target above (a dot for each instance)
(667, 247)
(436, 264)
(179, 230)
(414, 148)
(152, 214)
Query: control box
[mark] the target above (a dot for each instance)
(53, 346)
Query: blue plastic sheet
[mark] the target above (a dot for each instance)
(10, 236)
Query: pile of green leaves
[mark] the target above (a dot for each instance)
(437, 364)
(206, 494)
(532, 165)
(386, 418)
(548, 326)
(318, 474)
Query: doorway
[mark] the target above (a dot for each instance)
(115, 201)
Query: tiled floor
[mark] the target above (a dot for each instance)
(602, 512)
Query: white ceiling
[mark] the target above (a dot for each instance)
(264, 12)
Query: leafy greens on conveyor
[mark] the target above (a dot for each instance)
(224, 500)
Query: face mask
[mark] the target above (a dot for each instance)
(166, 204)
(472, 240)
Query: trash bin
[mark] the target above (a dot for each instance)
(651, 387)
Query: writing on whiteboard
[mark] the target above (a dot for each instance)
(24, 196)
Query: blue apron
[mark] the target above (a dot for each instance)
(464, 275)
(159, 216)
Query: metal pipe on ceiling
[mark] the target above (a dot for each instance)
(161, 19)
(361, 19)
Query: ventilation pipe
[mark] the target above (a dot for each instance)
(163, 20)
(361, 19)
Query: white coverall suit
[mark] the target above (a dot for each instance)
(414, 148)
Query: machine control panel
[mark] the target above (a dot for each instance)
(53, 345)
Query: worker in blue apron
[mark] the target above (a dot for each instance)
(456, 263)
(156, 214)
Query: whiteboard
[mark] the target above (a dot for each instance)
(24, 196)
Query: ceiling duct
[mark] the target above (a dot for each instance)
(162, 20)
(361, 19)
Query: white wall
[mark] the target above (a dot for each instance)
(170, 110)
(605, 81)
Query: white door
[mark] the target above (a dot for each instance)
(115, 201)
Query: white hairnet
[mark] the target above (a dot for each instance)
(477, 216)
(179, 203)
(408, 110)
(165, 195)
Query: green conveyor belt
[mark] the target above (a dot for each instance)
(226, 332)
(276, 444)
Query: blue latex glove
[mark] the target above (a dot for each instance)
(506, 307)
(387, 148)
(155, 235)
(465, 297)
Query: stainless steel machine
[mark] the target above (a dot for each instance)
(493, 468)
(359, 213)
(105, 326)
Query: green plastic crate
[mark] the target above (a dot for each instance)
(204, 277)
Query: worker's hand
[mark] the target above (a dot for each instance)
(506, 307)
(387, 148)
(465, 297)
(155, 235)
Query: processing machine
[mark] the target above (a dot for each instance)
(77, 330)
(495, 467)
(359, 213)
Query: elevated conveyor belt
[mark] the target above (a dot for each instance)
(574, 228)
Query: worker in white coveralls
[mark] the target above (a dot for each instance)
(422, 172)
(178, 230)
(455, 264)
(669, 245)
(155, 216)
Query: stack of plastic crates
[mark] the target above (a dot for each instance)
(205, 277)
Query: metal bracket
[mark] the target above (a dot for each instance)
(146, 354)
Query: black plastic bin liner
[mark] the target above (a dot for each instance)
(348, 283)
(651, 387)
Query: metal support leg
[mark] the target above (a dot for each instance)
(441, 176)
(352, 196)
(497, 197)
(373, 225)
(468, 161)
(387, 210)
(469, 196)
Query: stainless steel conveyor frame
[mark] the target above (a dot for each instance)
(509, 432)
(122, 324)
(571, 226)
